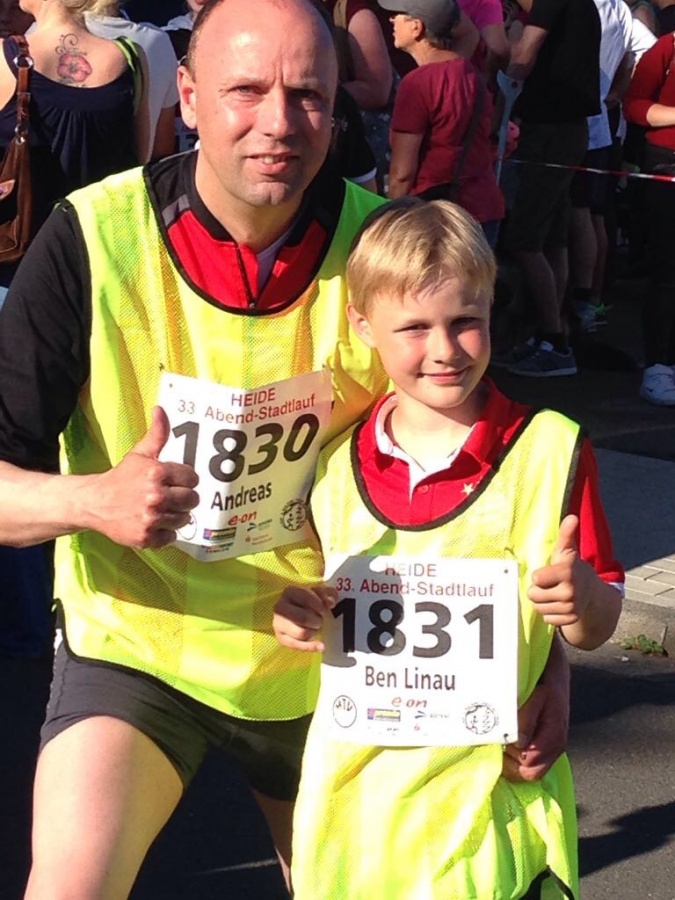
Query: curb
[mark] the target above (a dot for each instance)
(653, 621)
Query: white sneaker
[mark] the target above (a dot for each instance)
(658, 385)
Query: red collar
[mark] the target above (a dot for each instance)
(385, 480)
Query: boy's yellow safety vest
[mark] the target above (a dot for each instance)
(204, 628)
(441, 823)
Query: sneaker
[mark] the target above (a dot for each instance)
(546, 362)
(515, 355)
(658, 385)
(587, 315)
(601, 310)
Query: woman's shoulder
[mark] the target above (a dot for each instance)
(76, 58)
(355, 6)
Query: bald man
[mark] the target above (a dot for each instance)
(218, 268)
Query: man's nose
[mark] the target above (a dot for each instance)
(275, 114)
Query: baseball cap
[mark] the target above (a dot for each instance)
(439, 16)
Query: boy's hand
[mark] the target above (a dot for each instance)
(560, 590)
(298, 616)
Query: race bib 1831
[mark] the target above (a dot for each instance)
(421, 652)
(255, 452)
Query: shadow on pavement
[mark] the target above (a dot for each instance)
(638, 832)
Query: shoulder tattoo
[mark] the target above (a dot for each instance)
(74, 68)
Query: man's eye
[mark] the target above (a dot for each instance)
(308, 98)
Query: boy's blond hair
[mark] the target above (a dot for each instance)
(409, 245)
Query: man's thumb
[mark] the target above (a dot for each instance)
(156, 436)
(567, 537)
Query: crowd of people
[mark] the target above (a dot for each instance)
(203, 330)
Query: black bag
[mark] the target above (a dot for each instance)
(16, 195)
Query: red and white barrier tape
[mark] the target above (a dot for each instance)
(619, 173)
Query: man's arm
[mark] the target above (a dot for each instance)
(44, 338)
(543, 722)
(465, 37)
(621, 80)
(141, 502)
(524, 53)
(498, 45)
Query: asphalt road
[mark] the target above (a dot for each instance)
(621, 745)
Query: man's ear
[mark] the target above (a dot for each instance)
(360, 325)
(187, 92)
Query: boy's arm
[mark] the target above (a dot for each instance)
(298, 616)
(580, 590)
(569, 593)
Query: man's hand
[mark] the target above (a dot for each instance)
(298, 616)
(142, 502)
(543, 722)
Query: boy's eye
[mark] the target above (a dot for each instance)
(467, 322)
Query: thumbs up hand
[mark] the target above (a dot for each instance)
(561, 590)
(141, 502)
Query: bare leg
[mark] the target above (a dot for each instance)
(583, 248)
(103, 791)
(279, 816)
(542, 283)
(602, 242)
(557, 260)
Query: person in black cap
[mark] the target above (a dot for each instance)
(440, 129)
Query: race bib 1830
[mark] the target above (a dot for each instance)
(421, 652)
(255, 452)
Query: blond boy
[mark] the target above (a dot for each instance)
(446, 476)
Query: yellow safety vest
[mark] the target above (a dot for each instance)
(441, 823)
(204, 628)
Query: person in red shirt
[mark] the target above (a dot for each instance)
(650, 102)
(436, 149)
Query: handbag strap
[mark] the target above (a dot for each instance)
(470, 132)
(24, 63)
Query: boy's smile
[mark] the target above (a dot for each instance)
(435, 347)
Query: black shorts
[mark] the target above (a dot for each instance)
(589, 189)
(541, 206)
(268, 752)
